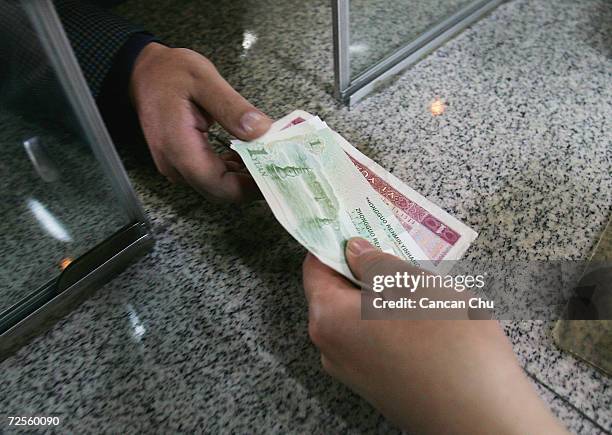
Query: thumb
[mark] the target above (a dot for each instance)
(230, 109)
(366, 260)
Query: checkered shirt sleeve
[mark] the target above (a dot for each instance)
(96, 36)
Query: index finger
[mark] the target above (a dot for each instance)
(318, 276)
(203, 169)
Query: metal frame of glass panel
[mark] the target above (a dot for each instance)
(351, 91)
(40, 309)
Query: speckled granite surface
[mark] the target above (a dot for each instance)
(209, 331)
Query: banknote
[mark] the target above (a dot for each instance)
(438, 234)
(319, 195)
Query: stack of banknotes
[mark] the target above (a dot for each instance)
(324, 191)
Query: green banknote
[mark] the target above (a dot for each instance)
(320, 197)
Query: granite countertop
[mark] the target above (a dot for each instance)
(208, 332)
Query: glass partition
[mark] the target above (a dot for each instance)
(374, 39)
(380, 27)
(64, 192)
(56, 202)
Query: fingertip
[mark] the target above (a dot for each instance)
(254, 124)
(240, 187)
(355, 248)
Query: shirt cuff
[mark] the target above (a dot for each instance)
(114, 100)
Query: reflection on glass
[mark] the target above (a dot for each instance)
(379, 27)
(56, 202)
(49, 223)
(65, 262)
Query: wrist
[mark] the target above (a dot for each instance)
(147, 59)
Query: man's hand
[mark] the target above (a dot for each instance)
(427, 376)
(178, 94)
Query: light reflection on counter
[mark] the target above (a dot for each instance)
(437, 107)
(137, 326)
(249, 39)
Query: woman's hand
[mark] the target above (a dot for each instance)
(427, 376)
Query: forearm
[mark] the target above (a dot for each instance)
(475, 385)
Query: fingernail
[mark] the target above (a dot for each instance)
(357, 246)
(250, 121)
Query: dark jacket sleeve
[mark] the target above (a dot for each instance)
(106, 47)
(97, 37)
